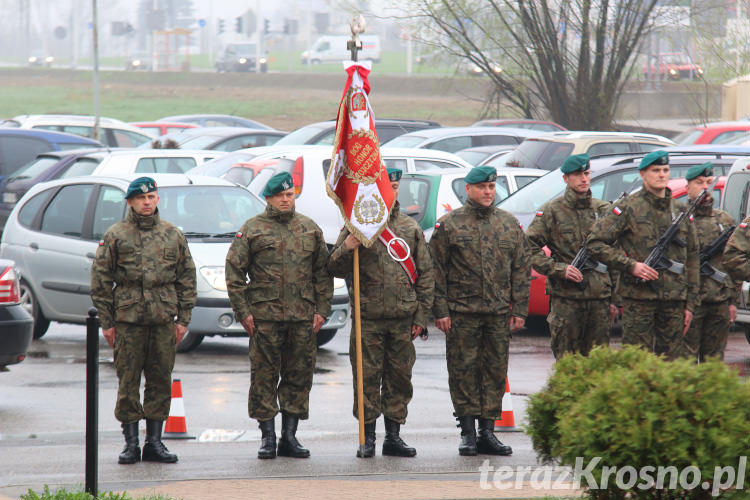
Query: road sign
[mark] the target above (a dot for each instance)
(202, 23)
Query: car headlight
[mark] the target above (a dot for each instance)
(243, 60)
(49, 59)
(32, 59)
(215, 277)
(338, 283)
(497, 69)
(136, 62)
(476, 69)
(10, 198)
(699, 71)
(263, 60)
(672, 71)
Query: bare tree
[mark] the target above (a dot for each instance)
(566, 59)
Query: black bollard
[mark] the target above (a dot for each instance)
(92, 402)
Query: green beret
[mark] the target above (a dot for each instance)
(574, 163)
(278, 183)
(705, 170)
(394, 174)
(141, 185)
(654, 158)
(481, 174)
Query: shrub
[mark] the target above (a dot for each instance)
(637, 410)
(63, 494)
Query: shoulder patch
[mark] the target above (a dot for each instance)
(743, 225)
(539, 213)
(437, 225)
(101, 243)
(239, 234)
(617, 210)
(691, 217)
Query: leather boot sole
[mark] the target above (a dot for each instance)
(132, 460)
(467, 452)
(489, 450)
(266, 455)
(149, 456)
(390, 450)
(285, 451)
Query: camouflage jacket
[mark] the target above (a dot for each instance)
(284, 256)
(709, 223)
(635, 224)
(736, 258)
(482, 262)
(143, 273)
(385, 290)
(562, 225)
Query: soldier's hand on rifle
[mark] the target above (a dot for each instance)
(109, 336)
(688, 320)
(248, 324)
(318, 321)
(573, 274)
(179, 332)
(732, 313)
(644, 272)
(351, 242)
(612, 313)
(443, 324)
(516, 323)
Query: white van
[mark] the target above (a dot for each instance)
(332, 49)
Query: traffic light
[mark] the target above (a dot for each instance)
(221, 26)
(238, 24)
(265, 26)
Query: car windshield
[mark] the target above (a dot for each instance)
(302, 135)
(413, 196)
(207, 211)
(531, 198)
(534, 153)
(34, 168)
(244, 49)
(473, 157)
(405, 141)
(200, 142)
(688, 137)
(221, 165)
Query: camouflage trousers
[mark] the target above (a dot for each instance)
(282, 362)
(388, 356)
(708, 332)
(654, 324)
(578, 325)
(147, 349)
(476, 349)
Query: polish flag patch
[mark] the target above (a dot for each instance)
(437, 225)
(616, 211)
(239, 234)
(743, 225)
(101, 243)
(539, 213)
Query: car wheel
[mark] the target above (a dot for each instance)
(189, 342)
(325, 336)
(29, 302)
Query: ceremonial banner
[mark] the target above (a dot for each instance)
(357, 179)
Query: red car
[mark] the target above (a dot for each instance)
(712, 133)
(679, 190)
(672, 66)
(157, 129)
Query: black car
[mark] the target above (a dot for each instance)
(323, 132)
(45, 167)
(240, 57)
(16, 324)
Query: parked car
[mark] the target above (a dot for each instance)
(114, 133)
(223, 138)
(679, 190)
(452, 139)
(323, 132)
(157, 129)
(240, 57)
(150, 161)
(16, 324)
(540, 125)
(427, 196)
(45, 167)
(713, 133)
(481, 155)
(54, 231)
(549, 151)
(18, 147)
(216, 121)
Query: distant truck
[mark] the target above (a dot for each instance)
(332, 49)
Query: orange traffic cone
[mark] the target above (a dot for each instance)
(176, 427)
(507, 421)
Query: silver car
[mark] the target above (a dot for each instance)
(53, 233)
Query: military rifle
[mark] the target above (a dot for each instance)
(658, 259)
(710, 251)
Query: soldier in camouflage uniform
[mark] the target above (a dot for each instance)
(282, 308)
(482, 279)
(709, 329)
(394, 312)
(581, 311)
(142, 278)
(657, 306)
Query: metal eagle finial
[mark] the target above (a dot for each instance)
(357, 25)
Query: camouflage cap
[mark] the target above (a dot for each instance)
(394, 174)
(481, 174)
(658, 157)
(141, 185)
(705, 170)
(278, 183)
(574, 163)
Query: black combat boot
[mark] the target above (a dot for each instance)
(268, 439)
(468, 446)
(369, 448)
(487, 443)
(154, 450)
(288, 444)
(132, 452)
(393, 445)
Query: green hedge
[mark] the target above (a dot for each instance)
(631, 408)
(63, 494)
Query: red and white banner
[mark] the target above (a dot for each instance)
(357, 180)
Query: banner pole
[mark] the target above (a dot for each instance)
(358, 347)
